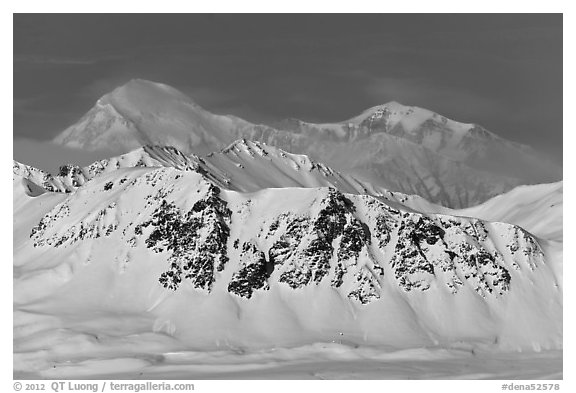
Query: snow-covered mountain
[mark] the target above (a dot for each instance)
(160, 258)
(467, 143)
(279, 265)
(143, 112)
(536, 208)
(244, 166)
(400, 148)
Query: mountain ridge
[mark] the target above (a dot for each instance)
(245, 166)
(405, 149)
(174, 235)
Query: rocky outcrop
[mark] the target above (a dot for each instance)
(348, 243)
(253, 274)
(196, 240)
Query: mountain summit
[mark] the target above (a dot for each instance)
(402, 148)
(143, 112)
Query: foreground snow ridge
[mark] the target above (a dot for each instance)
(213, 251)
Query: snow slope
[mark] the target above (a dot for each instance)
(537, 208)
(147, 261)
(401, 148)
(243, 166)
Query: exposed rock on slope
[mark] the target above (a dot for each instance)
(178, 234)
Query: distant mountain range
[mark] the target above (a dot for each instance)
(406, 149)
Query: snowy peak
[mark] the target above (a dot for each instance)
(37, 181)
(101, 127)
(242, 149)
(244, 146)
(458, 144)
(147, 92)
(143, 112)
(117, 118)
(391, 111)
(455, 140)
(424, 127)
(145, 98)
(414, 120)
(251, 166)
(254, 165)
(153, 156)
(402, 148)
(71, 177)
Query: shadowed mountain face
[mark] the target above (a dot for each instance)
(406, 149)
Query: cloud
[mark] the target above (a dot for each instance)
(50, 60)
(210, 98)
(98, 87)
(39, 106)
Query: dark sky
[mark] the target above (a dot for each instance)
(501, 71)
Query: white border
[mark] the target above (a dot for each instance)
(356, 6)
